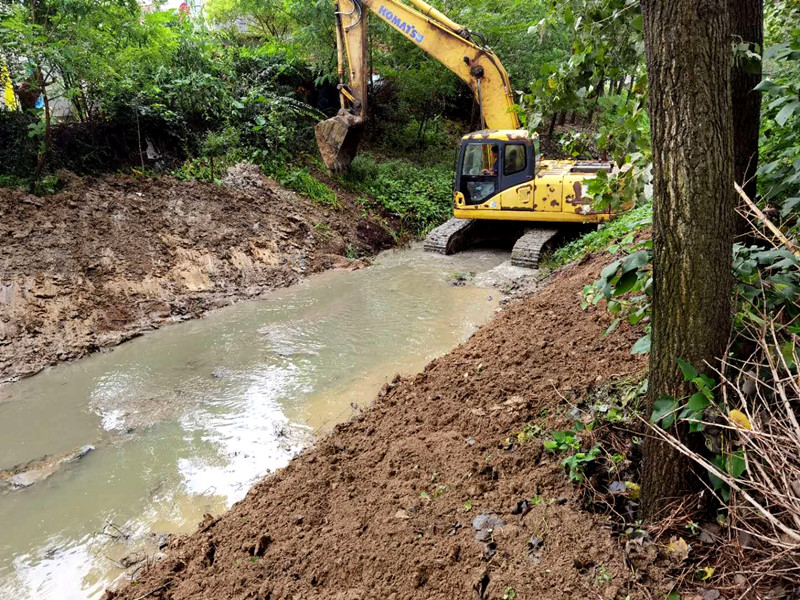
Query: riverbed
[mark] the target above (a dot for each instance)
(181, 422)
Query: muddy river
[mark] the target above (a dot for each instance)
(146, 439)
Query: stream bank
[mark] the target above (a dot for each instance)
(386, 506)
(109, 258)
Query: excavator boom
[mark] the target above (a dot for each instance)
(443, 39)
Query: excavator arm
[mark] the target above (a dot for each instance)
(448, 42)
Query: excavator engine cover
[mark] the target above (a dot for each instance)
(338, 139)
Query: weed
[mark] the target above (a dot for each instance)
(603, 577)
(461, 278)
(47, 185)
(578, 461)
(351, 252)
(526, 434)
(563, 441)
(467, 506)
(509, 594)
(569, 441)
(12, 181)
(440, 491)
(322, 228)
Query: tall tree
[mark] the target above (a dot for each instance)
(688, 50)
(747, 28)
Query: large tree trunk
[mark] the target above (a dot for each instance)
(747, 25)
(688, 65)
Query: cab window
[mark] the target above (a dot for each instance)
(479, 172)
(514, 159)
(480, 159)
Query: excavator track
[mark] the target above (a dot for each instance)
(528, 250)
(450, 237)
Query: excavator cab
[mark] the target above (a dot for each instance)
(488, 166)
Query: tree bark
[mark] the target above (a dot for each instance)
(689, 70)
(747, 25)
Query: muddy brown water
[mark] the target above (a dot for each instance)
(186, 419)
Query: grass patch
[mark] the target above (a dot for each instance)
(302, 181)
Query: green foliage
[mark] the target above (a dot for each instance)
(563, 441)
(619, 232)
(421, 197)
(301, 180)
(698, 410)
(575, 463)
(766, 280)
(779, 171)
(668, 410)
(626, 285)
(606, 46)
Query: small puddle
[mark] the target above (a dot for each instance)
(184, 420)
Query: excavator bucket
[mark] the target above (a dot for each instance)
(338, 139)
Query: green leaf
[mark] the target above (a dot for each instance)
(689, 372)
(736, 464)
(664, 407)
(610, 270)
(697, 403)
(636, 261)
(642, 346)
(769, 87)
(786, 112)
(626, 283)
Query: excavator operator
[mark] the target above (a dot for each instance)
(492, 170)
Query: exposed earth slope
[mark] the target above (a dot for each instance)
(384, 506)
(108, 258)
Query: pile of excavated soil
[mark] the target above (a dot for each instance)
(384, 507)
(108, 258)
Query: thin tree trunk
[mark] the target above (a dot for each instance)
(551, 131)
(600, 88)
(747, 24)
(44, 152)
(688, 65)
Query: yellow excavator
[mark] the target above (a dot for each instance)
(503, 189)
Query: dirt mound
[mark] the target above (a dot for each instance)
(108, 258)
(385, 506)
